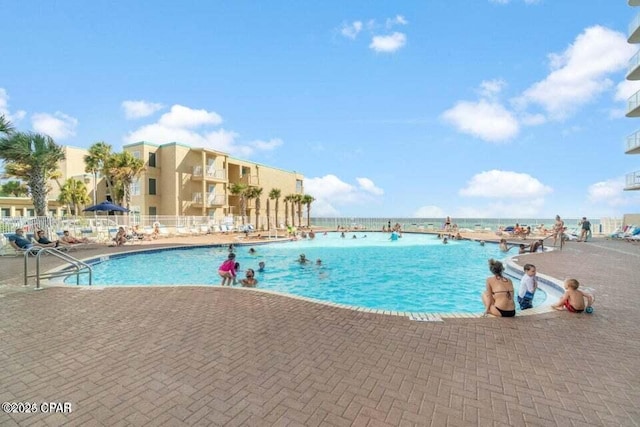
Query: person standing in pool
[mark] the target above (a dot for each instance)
(227, 270)
(498, 297)
(528, 286)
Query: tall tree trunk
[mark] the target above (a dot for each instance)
(37, 185)
(268, 214)
(277, 214)
(257, 213)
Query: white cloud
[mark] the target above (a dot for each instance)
(491, 88)
(193, 127)
(4, 108)
(625, 89)
(609, 192)
(57, 125)
(398, 20)
(351, 30)
(331, 193)
(580, 73)
(499, 184)
(486, 120)
(429, 212)
(367, 185)
(390, 43)
(185, 117)
(139, 109)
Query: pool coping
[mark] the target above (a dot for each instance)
(511, 269)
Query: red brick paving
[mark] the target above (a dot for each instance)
(221, 356)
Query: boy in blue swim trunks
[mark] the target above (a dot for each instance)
(528, 286)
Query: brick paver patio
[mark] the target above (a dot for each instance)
(215, 356)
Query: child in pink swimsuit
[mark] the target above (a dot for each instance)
(228, 270)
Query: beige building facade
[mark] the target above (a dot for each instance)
(180, 180)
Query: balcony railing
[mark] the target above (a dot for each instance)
(634, 30)
(633, 143)
(633, 69)
(632, 181)
(212, 199)
(633, 105)
(250, 180)
(210, 173)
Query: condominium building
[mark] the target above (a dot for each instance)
(632, 181)
(181, 180)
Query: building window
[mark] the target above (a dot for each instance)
(135, 187)
(5, 212)
(152, 160)
(152, 187)
(299, 186)
(135, 154)
(246, 170)
(153, 210)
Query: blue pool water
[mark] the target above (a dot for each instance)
(415, 274)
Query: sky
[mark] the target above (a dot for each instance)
(467, 108)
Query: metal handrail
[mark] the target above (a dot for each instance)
(78, 266)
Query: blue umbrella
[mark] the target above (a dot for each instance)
(106, 206)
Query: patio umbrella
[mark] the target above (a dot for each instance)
(106, 206)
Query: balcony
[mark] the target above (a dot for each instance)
(634, 30)
(211, 199)
(633, 144)
(251, 180)
(632, 181)
(633, 69)
(209, 173)
(633, 105)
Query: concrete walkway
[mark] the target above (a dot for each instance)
(214, 356)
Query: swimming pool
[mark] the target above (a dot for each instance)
(417, 273)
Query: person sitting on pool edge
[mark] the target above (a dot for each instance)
(573, 299)
(249, 281)
(498, 297)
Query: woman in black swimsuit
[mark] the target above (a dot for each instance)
(498, 298)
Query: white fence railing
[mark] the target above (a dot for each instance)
(92, 224)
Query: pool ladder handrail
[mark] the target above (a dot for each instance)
(80, 267)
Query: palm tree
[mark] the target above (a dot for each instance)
(249, 194)
(297, 202)
(307, 200)
(96, 162)
(237, 189)
(33, 157)
(14, 188)
(274, 194)
(257, 192)
(74, 193)
(287, 199)
(125, 168)
(5, 125)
